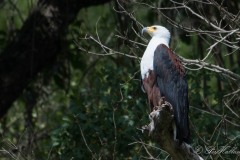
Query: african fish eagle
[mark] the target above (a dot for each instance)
(163, 75)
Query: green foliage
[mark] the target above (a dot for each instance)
(103, 116)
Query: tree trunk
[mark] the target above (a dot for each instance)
(161, 130)
(36, 46)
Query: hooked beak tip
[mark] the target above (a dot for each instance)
(144, 30)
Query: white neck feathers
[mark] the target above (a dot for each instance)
(147, 59)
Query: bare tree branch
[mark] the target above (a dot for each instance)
(211, 67)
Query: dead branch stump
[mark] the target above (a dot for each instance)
(161, 131)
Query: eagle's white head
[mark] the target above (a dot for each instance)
(158, 32)
(160, 35)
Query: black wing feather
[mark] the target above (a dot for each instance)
(173, 86)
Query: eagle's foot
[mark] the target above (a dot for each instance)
(155, 108)
(160, 103)
(166, 105)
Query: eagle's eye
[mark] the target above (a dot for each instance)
(154, 28)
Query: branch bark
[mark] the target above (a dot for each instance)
(161, 130)
(211, 67)
(36, 46)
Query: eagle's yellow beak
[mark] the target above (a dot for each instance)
(149, 30)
